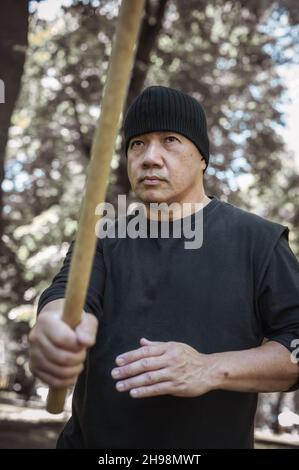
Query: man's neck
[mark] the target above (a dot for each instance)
(175, 211)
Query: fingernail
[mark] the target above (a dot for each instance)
(120, 360)
(120, 386)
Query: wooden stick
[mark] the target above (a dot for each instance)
(115, 90)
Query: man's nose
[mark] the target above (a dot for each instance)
(153, 154)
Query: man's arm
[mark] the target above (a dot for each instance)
(267, 368)
(57, 352)
(171, 368)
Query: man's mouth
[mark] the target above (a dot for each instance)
(151, 180)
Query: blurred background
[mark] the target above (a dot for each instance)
(239, 58)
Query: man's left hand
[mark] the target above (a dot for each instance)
(163, 368)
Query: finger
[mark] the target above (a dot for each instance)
(55, 382)
(86, 331)
(60, 356)
(141, 380)
(139, 367)
(60, 372)
(145, 351)
(62, 336)
(161, 388)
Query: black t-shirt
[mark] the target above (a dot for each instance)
(240, 286)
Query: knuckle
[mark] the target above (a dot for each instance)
(34, 361)
(31, 355)
(32, 336)
(174, 353)
(62, 339)
(180, 387)
(174, 345)
(72, 381)
(148, 377)
(78, 369)
(63, 359)
(146, 350)
(127, 370)
(69, 374)
(144, 363)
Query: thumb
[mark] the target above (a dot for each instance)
(145, 341)
(86, 331)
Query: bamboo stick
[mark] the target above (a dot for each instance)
(115, 90)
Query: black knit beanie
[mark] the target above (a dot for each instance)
(160, 108)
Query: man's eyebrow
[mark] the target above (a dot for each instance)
(137, 137)
(145, 136)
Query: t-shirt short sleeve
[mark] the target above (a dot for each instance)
(278, 297)
(94, 298)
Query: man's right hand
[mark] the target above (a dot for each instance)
(57, 353)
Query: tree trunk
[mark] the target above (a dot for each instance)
(276, 409)
(13, 45)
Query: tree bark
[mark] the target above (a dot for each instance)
(13, 45)
(276, 409)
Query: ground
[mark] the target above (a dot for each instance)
(29, 426)
(14, 435)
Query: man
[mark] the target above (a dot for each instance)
(180, 353)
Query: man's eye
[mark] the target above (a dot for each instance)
(171, 138)
(136, 143)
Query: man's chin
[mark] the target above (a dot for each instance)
(151, 197)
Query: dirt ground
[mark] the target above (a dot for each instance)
(29, 426)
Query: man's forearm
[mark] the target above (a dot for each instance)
(267, 368)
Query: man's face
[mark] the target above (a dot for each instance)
(165, 167)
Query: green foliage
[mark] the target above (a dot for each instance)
(49, 145)
(225, 53)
